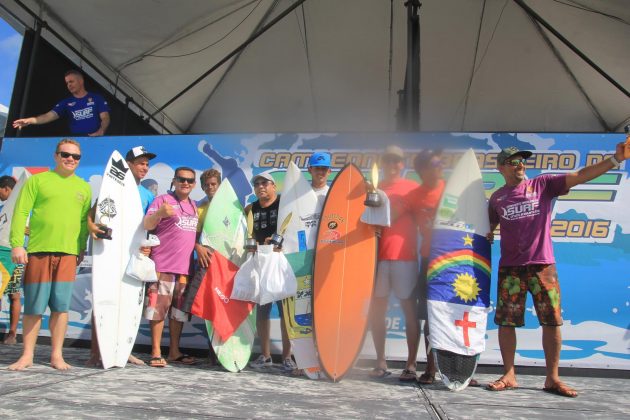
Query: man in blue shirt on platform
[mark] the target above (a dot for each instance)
(87, 112)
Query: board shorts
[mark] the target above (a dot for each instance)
(166, 297)
(422, 289)
(400, 276)
(541, 280)
(48, 282)
(15, 283)
(263, 312)
(6, 268)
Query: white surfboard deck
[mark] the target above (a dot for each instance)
(299, 200)
(118, 298)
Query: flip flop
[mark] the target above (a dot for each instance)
(157, 362)
(499, 385)
(562, 390)
(426, 379)
(408, 375)
(183, 359)
(379, 373)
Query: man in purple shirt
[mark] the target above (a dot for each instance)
(173, 218)
(522, 208)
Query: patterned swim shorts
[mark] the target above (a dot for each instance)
(166, 297)
(541, 280)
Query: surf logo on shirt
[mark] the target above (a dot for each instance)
(522, 210)
(187, 223)
(82, 114)
(107, 210)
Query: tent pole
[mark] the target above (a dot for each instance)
(569, 45)
(29, 71)
(411, 93)
(231, 54)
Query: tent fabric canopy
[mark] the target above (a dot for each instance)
(338, 65)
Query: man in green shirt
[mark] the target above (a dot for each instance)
(58, 202)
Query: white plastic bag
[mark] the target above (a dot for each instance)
(378, 215)
(277, 280)
(247, 281)
(141, 267)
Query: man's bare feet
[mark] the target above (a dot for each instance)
(135, 361)
(94, 361)
(59, 364)
(10, 340)
(23, 362)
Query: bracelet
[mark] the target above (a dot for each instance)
(614, 161)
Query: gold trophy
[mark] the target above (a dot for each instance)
(278, 238)
(372, 199)
(250, 242)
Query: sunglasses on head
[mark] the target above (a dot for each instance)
(515, 162)
(66, 155)
(183, 180)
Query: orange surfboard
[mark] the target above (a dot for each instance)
(343, 275)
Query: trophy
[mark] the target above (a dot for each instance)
(278, 238)
(250, 242)
(372, 199)
(106, 212)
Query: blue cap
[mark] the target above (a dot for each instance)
(319, 159)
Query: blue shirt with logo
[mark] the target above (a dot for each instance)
(146, 197)
(82, 113)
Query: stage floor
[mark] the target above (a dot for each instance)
(204, 391)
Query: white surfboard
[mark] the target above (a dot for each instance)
(7, 210)
(299, 200)
(118, 298)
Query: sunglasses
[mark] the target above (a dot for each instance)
(184, 180)
(516, 162)
(391, 159)
(66, 155)
(261, 183)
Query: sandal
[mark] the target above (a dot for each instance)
(183, 359)
(561, 389)
(157, 362)
(408, 375)
(499, 385)
(426, 378)
(379, 373)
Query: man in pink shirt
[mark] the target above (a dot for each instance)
(397, 267)
(173, 218)
(522, 208)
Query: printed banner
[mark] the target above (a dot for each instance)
(590, 225)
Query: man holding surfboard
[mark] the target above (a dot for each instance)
(58, 203)
(426, 199)
(173, 218)
(265, 216)
(397, 268)
(138, 161)
(522, 208)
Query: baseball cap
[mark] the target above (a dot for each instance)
(392, 150)
(510, 151)
(138, 151)
(319, 159)
(265, 175)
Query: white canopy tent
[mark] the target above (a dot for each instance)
(337, 65)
